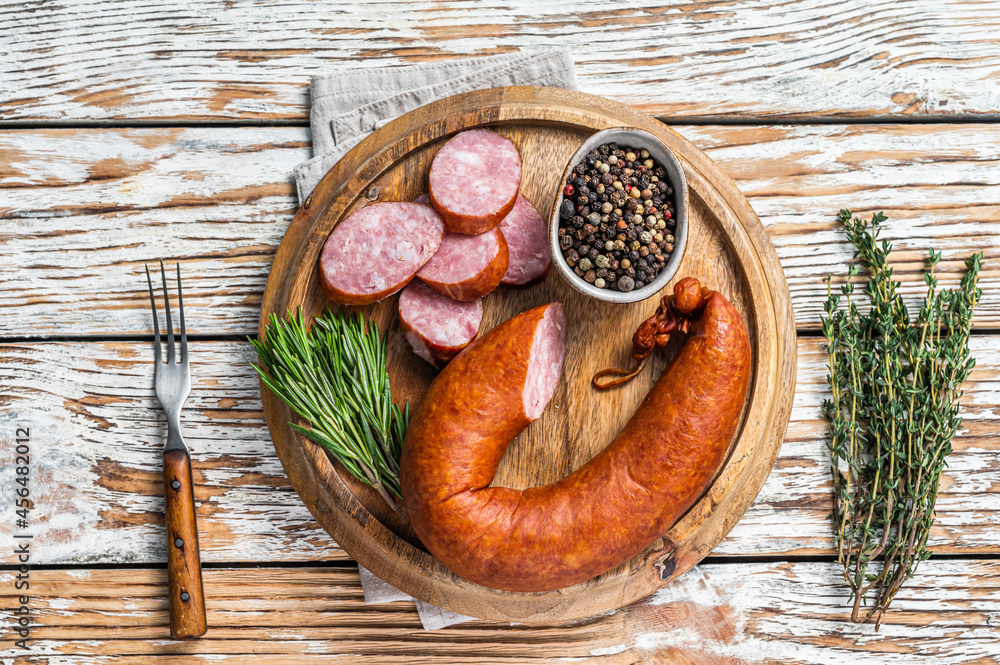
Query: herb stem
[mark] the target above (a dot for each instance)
(889, 441)
(333, 376)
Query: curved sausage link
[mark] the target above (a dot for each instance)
(602, 514)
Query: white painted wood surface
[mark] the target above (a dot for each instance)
(84, 208)
(153, 61)
(790, 613)
(98, 435)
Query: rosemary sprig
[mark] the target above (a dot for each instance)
(334, 376)
(893, 411)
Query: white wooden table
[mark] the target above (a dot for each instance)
(131, 131)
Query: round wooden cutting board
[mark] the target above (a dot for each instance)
(727, 249)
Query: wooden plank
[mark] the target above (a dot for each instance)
(97, 434)
(789, 613)
(156, 61)
(84, 208)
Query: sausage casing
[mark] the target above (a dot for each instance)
(605, 512)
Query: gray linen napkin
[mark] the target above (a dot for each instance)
(347, 106)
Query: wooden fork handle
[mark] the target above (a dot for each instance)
(187, 599)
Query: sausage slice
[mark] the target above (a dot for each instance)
(467, 267)
(474, 180)
(527, 237)
(374, 252)
(435, 326)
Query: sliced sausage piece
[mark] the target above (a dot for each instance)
(474, 180)
(436, 326)
(374, 252)
(608, 510)
(467, 267)
(527, 237)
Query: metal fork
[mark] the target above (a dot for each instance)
(173, 383)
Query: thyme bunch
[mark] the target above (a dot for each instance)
(892, 413)
(334, 376)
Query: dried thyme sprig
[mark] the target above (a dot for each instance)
(892, 413)
(334, 376)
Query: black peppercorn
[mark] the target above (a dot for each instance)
(626, 283)
(567, 209)
(593, 254)
(565, 242)
(639, 284)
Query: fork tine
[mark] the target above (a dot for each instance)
(180, 308)
(170, 325)
(156, 324)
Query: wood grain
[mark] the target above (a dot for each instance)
(759, 613)
(92, 407)
(84, 208)
(187, 597)
(155, 62)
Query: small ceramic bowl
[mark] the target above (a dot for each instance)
(661, 154)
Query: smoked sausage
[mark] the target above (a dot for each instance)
(474, 179)
(607, 511)
(467, 267)
(435, 326)
(527, 237)
(376, 251)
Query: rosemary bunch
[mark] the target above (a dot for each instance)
(893, 411)
(334, 376)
